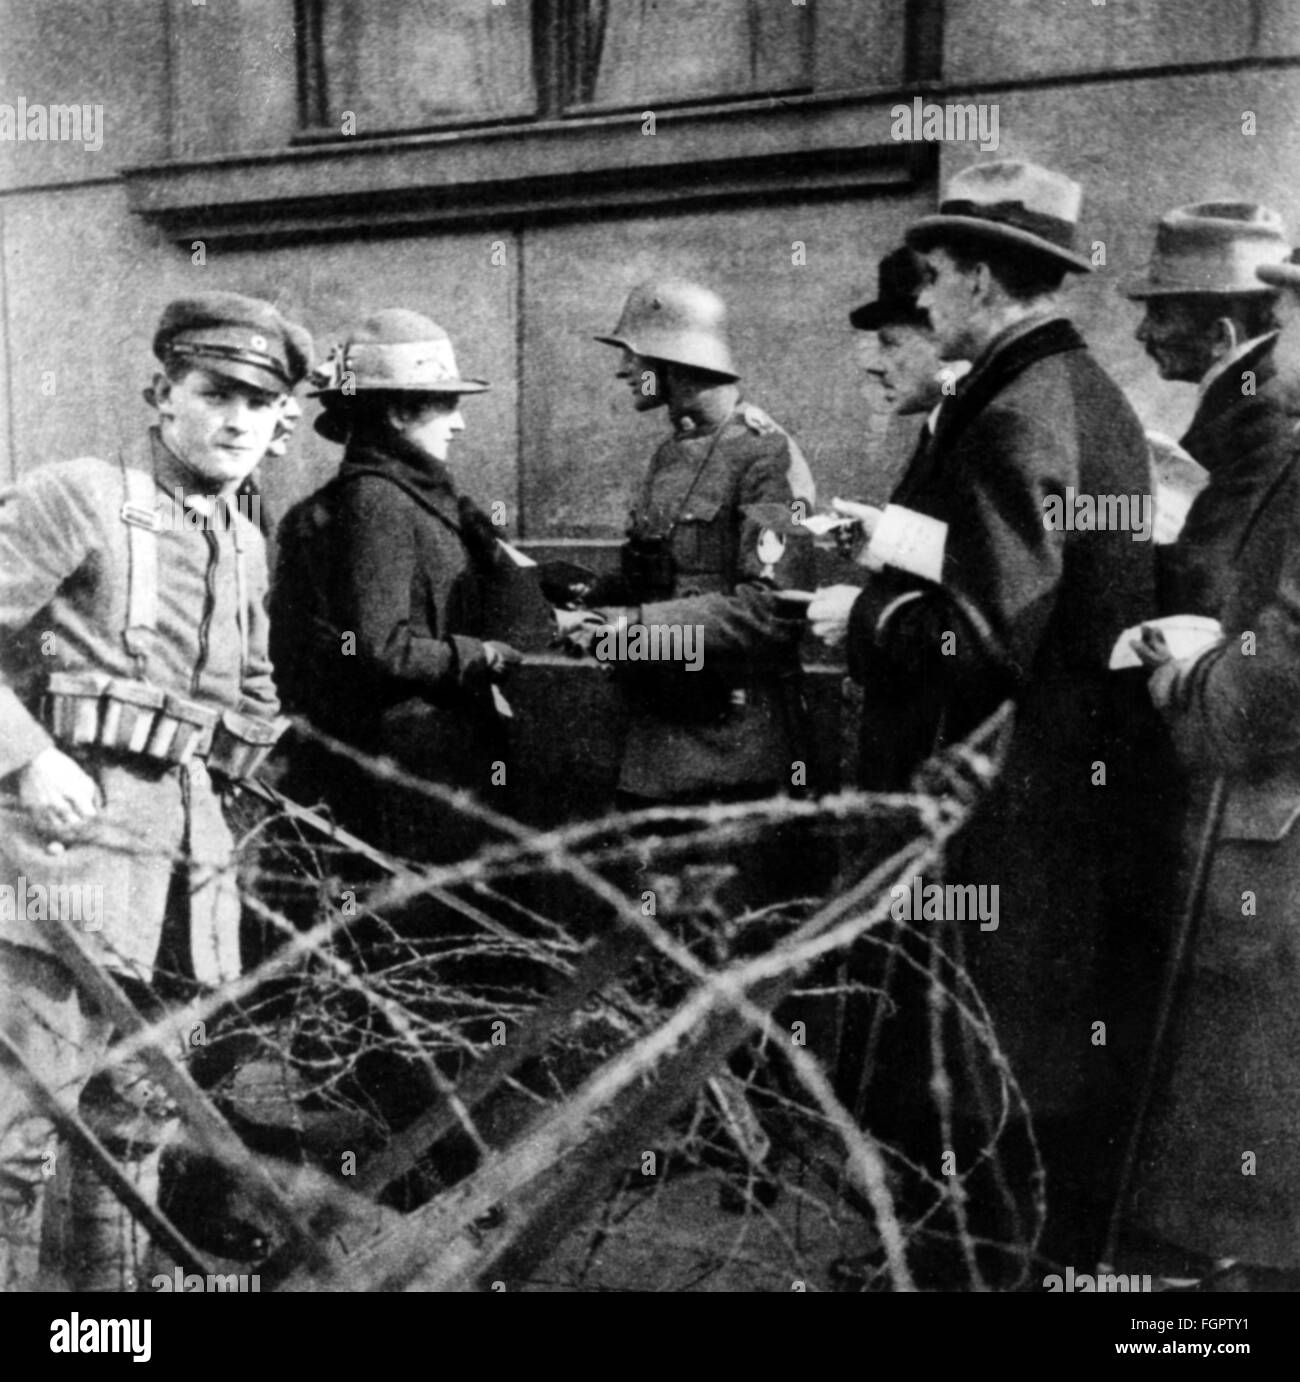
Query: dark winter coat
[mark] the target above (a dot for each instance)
(379, 617)
(1030, 612)
(1221, 1170)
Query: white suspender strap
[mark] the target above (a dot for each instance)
(241, 585)
(140, 516)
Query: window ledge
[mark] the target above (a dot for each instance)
(796, 146)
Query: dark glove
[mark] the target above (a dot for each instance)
(565, 583)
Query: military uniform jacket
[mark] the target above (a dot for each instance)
(64, 560)
(1031, 613)
(729, 725)
(1234, 1077)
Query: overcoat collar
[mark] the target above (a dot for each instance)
(1225, 392)
(997, 369)
(411, 468)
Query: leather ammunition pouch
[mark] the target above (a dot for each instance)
(118, 715)
(649, 567)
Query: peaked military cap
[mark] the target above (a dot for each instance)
(237, 337)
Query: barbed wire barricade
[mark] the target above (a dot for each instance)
(571, 1061)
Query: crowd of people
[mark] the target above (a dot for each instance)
(1150, 783)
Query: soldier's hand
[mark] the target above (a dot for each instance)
(500, 657)
(57, 793)
(829, 612)
(576, 629)
(568, 621)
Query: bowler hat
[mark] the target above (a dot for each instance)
(236, 337)
(1211, 247)
(396, 350)
(1008, 202)
(900, 278)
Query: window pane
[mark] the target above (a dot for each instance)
(403, 64)
(636, 51)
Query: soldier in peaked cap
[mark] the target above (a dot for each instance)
(1232, 1076)
(382, 612)
(712, 535)
(986, 602)
(135, 683)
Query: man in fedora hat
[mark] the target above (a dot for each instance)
(986, 600)
(134, 684)
(1210, 320)
(1218, 1183)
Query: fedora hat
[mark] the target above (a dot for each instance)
(1212, 247)
(1283, 275)
(1012, 203)
(899, 280)
(396, 350)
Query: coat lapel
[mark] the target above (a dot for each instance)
(987, 380)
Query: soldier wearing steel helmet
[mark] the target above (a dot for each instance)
(713, 535)
(380, 609)
(134, 684)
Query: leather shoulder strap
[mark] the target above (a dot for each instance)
(141, 519)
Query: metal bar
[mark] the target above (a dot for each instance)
(204, 1119)
(69, 1123)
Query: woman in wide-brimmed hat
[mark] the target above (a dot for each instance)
(385, 583)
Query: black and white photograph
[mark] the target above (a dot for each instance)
(650, 647)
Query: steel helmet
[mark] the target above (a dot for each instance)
(683, 323)
(394, 350)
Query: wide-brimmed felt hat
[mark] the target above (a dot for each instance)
(1013, 203)
(394, 350)
(899, 281)
(1212, 247)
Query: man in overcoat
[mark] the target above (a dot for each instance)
(1208, 320)
(987, 595)
(1219, 1175)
